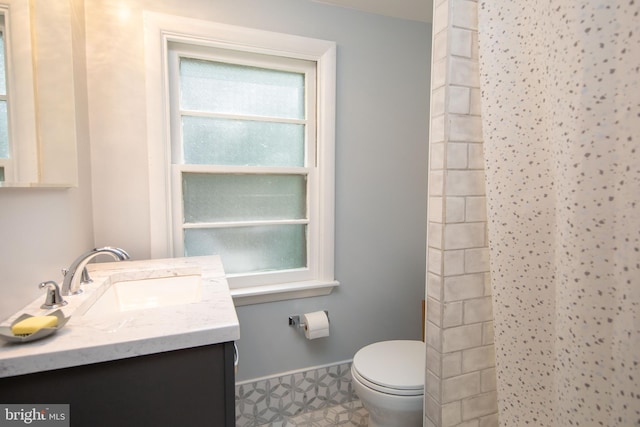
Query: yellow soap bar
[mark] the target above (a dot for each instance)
(33, 324)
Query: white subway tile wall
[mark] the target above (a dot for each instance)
(463, 287)
(451, 364)
(460, 377)
(461, 337)
(453, 262)
(479, 405)
(455, 209)
(457, 156)
(457, 388)
(435, 209)
(452, 314)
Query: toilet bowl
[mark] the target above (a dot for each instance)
(388, 377)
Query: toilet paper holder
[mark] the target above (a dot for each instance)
(296, 323)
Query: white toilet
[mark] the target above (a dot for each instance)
(388, 377)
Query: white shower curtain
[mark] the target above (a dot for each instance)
(560, 83)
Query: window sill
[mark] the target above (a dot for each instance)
(282, 292)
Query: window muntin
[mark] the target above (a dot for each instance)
(243, 150)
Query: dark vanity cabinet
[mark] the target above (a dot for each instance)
(182, 388)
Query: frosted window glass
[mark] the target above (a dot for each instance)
(237, 89)
(4, 131)
(3, 71)
(216, 141)
(251, 249)
(214, 197)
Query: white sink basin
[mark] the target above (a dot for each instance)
(141, 294)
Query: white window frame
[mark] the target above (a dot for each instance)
(22, 166)
(308, 68)
(160, 31)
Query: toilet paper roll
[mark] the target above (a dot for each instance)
(316, 325)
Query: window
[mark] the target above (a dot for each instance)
(243, 152)
(248, 155)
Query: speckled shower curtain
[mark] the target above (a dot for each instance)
(560, 84)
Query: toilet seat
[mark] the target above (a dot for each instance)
(391, 367)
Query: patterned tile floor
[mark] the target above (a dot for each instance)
(321, 397)
(349, 414)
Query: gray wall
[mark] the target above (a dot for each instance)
(381, 167)
(381, 158)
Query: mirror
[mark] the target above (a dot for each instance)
(45, 55)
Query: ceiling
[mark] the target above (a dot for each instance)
(415, 10)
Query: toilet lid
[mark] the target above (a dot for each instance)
(392, 365)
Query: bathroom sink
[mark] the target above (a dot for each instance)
(148, 293)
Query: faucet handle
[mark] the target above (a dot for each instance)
(85, 277)
(54, 299)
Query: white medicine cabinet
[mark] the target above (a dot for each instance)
(43, 62)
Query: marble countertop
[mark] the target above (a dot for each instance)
(87, 339)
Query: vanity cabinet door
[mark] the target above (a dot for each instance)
(182, 388)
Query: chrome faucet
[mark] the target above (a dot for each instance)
(72, 281)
